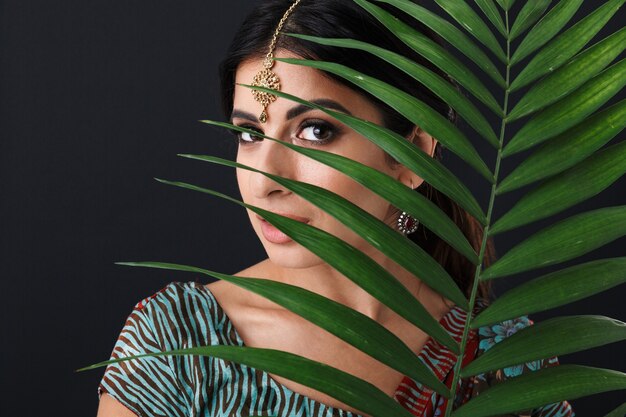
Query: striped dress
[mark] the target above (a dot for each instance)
(183, 315)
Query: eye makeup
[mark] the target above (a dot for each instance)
(317, 132)
(313, 132)
(244, 138)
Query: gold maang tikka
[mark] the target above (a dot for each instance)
(266, 78)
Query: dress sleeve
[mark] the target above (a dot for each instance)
(146, 386)
(489, 336)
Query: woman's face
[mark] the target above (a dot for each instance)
(290, 122)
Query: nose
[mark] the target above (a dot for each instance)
(273, 158)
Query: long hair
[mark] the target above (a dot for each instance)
(345, 19)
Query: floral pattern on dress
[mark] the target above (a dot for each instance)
(489, 336)
(498, 332)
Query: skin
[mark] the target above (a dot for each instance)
(291, 263)
(262, 323)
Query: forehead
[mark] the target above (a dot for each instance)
(304, 82)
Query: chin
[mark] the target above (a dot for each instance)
(291, 256)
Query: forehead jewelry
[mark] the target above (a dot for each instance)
(266, 78)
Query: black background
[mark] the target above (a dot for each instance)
(97, 98)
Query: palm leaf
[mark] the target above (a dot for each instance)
(555, 289)
(410, 107)
(434, 53)
(565, 91)
(529, 14)
(491, 11)
(562, 241)
(376, 232)
(576, 184)
(618, 412)
(549, 338)
(452, 34)
(324, 378)
(467, 18)
(506, 4)
(404, 152)
(547, 27)
(355, 328)
(430, 80)
(571, 110)
(566, 45)
(544, 386)
(568, 148)
(572, 75)
(352, 263)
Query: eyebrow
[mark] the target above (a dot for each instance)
(294, 111)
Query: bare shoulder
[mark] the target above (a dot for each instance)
(110, 407)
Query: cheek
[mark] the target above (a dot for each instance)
(344, 186)
(358, 149)
(242, 181)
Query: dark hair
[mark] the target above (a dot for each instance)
(345, 19)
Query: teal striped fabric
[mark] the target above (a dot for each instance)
(184, 315)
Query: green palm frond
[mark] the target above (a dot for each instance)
(555, 289)
(565, 134)
(545, 386)
(618, 412)
(355, 328)
(324, 378)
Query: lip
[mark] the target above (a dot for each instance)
(272, 234)
(291, 216)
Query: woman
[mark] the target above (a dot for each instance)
(191, 314)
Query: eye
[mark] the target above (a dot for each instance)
(317, 131)
(245, 137)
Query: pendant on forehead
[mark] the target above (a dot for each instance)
(267, 79)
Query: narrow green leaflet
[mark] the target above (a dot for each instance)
(491, 11)
(618, 412)
(341, 385)
(393, 244)
(467, 17)
(569, 111)
(436, 54)
(566, 45)
(568, 148)
(451, 34)
(349, 325)
(351, 262)
(440, 87)
(577, 184)
(418, 112)
(562, 241)
(506, 4)
(433, 172)
(570, 76)
(542, 387)
(388, 188)
(529, 14)
(546, 28)
(553, 337)
(554, 289)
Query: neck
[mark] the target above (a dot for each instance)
(328, 282)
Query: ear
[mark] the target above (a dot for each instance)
(427, 144)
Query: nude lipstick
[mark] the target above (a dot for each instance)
(272, 234)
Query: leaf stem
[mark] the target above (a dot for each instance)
(483, 246)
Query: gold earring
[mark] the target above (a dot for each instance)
(266, 77)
